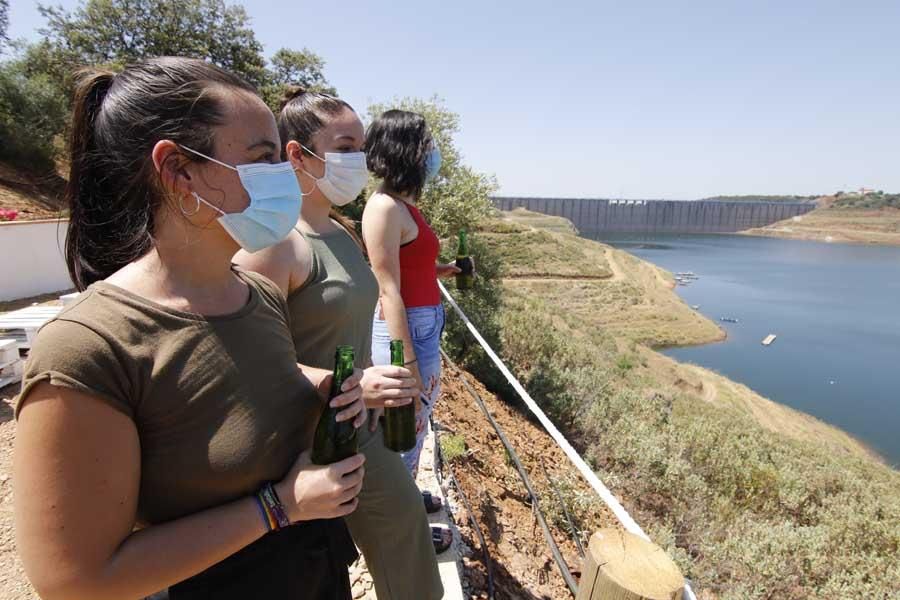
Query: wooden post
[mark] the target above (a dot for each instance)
(622, 566)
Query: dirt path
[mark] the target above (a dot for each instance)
(528, 278)
(618, 274)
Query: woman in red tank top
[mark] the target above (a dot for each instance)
(404, 251)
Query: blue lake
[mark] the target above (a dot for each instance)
(834, 307)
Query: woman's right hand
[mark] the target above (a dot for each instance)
(388, 386)
(311, 491)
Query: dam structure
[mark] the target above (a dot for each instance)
(660, 216)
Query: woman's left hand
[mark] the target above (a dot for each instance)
(351, 396)
(447, 270)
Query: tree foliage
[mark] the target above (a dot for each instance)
(113, 33)
(31, 111)
(4, 23)
(116, 32)
(303, 67)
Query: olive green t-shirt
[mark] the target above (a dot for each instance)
(336, 304)
(219, 404)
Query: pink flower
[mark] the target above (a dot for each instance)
(8, 214)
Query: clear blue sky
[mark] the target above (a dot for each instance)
(624, 99)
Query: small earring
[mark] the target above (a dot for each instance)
(196, 208)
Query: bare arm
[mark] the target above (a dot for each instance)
(77, 476)
(382, 232)
(288, 263)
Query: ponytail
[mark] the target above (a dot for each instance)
(83, 197)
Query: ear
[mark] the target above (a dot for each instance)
(294, 154)
(170, 165)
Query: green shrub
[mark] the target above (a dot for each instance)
(453, 447)
(745, 512)
(32, 115)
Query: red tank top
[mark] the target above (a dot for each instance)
(418, 265)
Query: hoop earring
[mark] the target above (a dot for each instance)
(196, 209)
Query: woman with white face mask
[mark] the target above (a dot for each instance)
(331, 291)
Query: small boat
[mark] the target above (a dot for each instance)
(686, 274)
(769, 339)
(695, 306)
(728, 320)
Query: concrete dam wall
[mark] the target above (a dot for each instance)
(660, 216)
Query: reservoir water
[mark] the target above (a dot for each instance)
(835, 309)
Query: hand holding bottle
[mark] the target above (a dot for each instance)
(312, 491)
(388, 386)
(352, 397)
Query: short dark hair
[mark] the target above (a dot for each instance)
(113, 190)
(397, 144)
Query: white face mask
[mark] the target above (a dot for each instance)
(345, 175)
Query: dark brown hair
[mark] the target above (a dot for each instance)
(113, 191)
(397, 144)
(303, 113)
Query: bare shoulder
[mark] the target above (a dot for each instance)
(382, 204)
(281, 262)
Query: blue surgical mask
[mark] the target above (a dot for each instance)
(432, 163)
(275, 201)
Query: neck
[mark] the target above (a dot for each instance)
(408, 198)
(315, 212)
(192, 259)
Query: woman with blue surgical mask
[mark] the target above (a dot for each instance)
(160, 443)
(403, 154)
(331, 291)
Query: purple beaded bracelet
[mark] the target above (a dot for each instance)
(273, 503)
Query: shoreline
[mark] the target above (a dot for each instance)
(808, 237)
(640, 305)
(868, 449)
(847, 225)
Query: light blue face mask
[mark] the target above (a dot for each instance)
(275, 201)
(432, 163)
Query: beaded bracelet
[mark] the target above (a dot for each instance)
(274, 507)
(263, 512)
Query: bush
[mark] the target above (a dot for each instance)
(745, 512)
(32, 115)
(453, 447)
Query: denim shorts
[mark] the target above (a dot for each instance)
(426, 323)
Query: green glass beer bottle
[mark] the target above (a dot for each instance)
(335, 441)
(399, 421)
(465, 279)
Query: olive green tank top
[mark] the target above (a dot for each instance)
(336, 304)
(219, 404)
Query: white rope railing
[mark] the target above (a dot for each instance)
(605, 494)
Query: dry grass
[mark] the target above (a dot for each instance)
(879, 226)
(637, 307)
(751, 498)
(540, 221)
